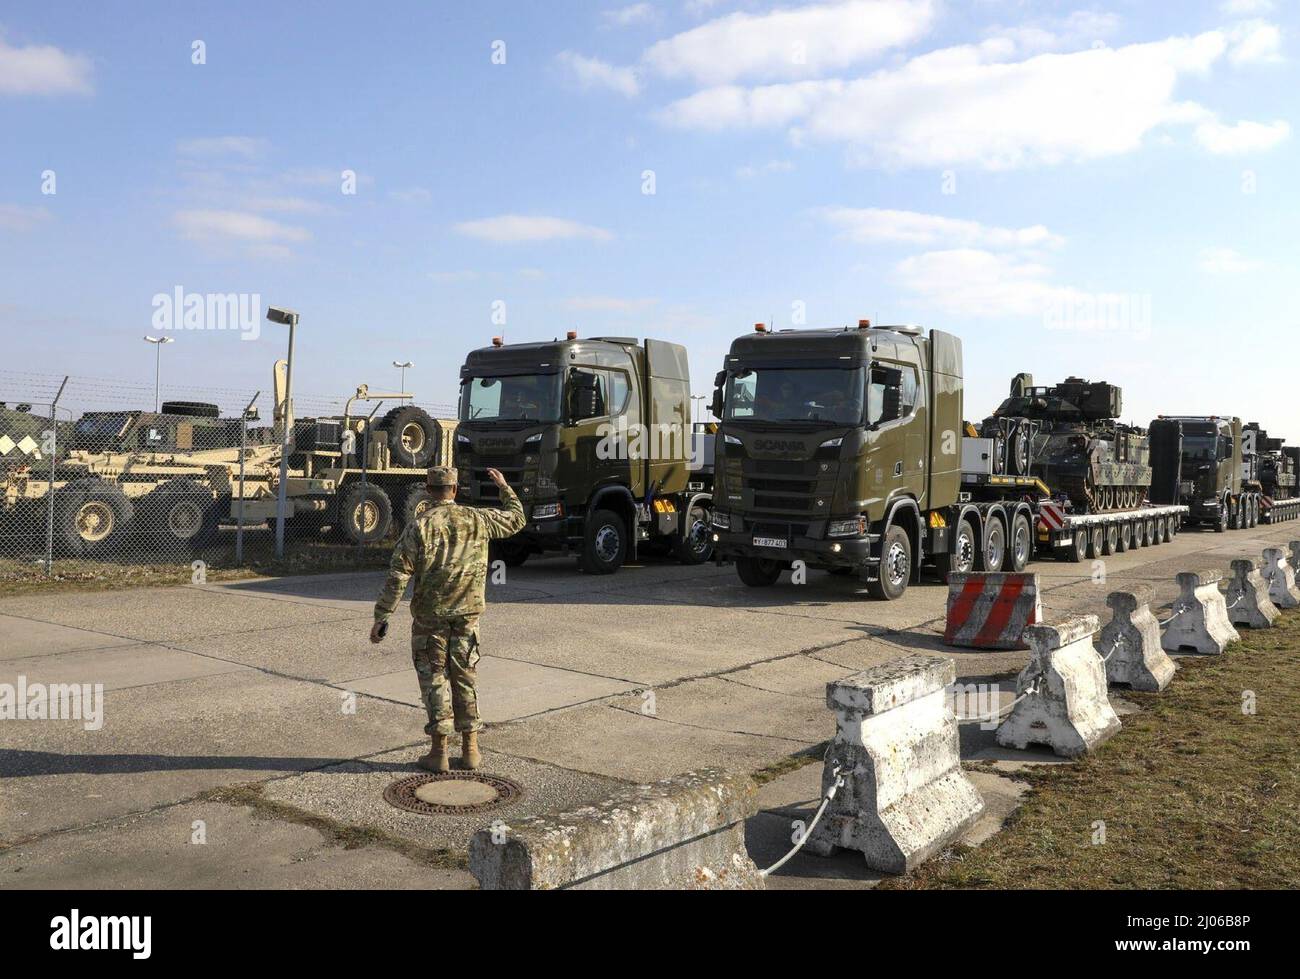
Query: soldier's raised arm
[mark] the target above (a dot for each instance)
(400, 569)
(511, 520)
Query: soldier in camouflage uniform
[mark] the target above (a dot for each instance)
(446, 551)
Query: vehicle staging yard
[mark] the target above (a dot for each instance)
(250, 729)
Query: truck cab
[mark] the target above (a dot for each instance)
(595, 436)
(1208, 465)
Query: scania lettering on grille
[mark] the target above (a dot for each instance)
(778, 445)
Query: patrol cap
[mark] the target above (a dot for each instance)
(441, 476)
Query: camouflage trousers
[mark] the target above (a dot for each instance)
(445, 653)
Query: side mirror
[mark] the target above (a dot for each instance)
(584, 396)
(719, 379)
(716, 406)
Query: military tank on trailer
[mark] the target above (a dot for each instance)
(1068, 436)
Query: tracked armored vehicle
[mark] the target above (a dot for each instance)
(1067, 436)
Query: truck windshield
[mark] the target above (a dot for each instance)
(780, 394)
(101, 430)
(1200, 448)
(515, 397)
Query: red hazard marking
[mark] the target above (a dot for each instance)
(1052, 515)
(1004, 606)
(962, 605)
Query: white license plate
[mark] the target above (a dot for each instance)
(769, 542)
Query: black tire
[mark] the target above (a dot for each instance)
(1020, 548)
(758, 572)
(192, 409)
(1252, 512)
(365, 514)
(895, 569)
(1111, 545)
(604, 543)
(1077, 551)
(697, 546)
(181, 513)
(1162, 530)
(963, 554)
(1124, 538)
(415, 504)
(1174, 525)
(1222, 520)
(1096, 541)
(511, 553)
(994, 551)
(92, 518)
(412, 436)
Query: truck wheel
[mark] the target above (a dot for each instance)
(1079, 549)
(182, 512)
(1021, 548)
(1252, 512)
(365, 513)
(1162, 530)
(412, 436)
(604, 545)
(415, 505)
(1221, 521)
(91, 518)
(758, 572)
(895, 569)
(511, 553)
(1096, 541)
(961, 558)
(1174, 526)
(995, 547)
(697, 546)
(1112, 540)
(1124, 537)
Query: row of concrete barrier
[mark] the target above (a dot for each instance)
(893, 786)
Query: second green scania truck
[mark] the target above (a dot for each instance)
(595, 436)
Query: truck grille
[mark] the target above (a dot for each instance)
(801, 504)
(487, 490)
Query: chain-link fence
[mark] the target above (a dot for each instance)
(97, 488)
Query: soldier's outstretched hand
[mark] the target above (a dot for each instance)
(377, 632)
(496, 477)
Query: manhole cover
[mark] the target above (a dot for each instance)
(451, 792)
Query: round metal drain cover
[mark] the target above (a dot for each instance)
(452, 792)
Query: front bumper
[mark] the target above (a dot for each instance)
(839, 552)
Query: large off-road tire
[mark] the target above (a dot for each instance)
(995, 546)
(604, 543)
(192, 409)
(961, 557)
(415, 504)
(696, 546)
(758, 572)
(92, 519)
(365, 513)
(895, 570)
(412, 436)
(181, 513)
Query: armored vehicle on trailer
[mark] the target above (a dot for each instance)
(595, 436)
(1067, 435)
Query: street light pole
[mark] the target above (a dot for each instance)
(403, 364)
(157, 365)
(285, 317)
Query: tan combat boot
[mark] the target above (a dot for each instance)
(469, 756)
(436, 760)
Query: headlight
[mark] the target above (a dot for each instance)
(533, 438)
(731, 440)
(547, 511)
(853, 527)
(832, 443)
(463, 440)
(721, 520)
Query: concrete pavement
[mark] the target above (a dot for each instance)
(587, 683)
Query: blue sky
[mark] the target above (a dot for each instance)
(1101, 190)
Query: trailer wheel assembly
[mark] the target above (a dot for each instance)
(696, 546)
(961, 556)
(1124, 537)
(1021, 547)
(758, 572)
(91, 518)
(604, 544)
(181, 511)
(1112, 539)
(365, 513)
(995, 546)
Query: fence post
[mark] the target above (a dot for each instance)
(243, 452)
(49, 496)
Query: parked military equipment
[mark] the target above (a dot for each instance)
(843, 449)
(1068, 436)
(1209, 464)
(1271, 466)
(595, 436)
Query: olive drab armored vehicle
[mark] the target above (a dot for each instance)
(1068, 436)
(595, 435)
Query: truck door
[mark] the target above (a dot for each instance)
(896, 442)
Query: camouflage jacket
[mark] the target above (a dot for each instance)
(446, 552)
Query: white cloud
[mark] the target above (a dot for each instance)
(411, 195)
(1235, 8)
(1244, 137)
(510, 228)
(973, 282)
(1225, 261)
(209, 225)
(873, 224)
(594, 73)
(42, 69)
(609, 304)
(18, 217)
(968, 105)
(1080, 29)
(1255, 42)
(749, 171)
(799, 42)
(286, 205)
(632, 14)
(245, 146)
(463, 275)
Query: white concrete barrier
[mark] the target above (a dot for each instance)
(1130, 642)
(1200, 620)
(683, 833)
(905, 796)
(1062, 701)
(1247, 597)
(1280, 576)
